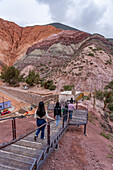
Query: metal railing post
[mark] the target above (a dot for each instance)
(63, 122)
(14, 128)
(68, 119)
(85, 129)
(76, 104)
(48, 133)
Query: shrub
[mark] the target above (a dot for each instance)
(111, 117)
(86, 97)
(52, 87)
(32, 78)
(10, 75)
(47, 84)
(110, 85)
(29, 81)
(42, 83)
(80, 69)
(91, 48)
(107, 136)
(110, 106)
(67, 87)
(91, 54)
(41, 69)
(109, 61)
(99, 95)
(110, 155)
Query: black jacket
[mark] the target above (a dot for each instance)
(57, 111)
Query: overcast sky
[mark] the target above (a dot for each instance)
(93, 16)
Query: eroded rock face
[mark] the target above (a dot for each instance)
(72, 57)
(15, 40)
(66, 57)
(53, 51)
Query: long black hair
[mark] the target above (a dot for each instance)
(41, 109)
(66, 106)
(71, 101)
(57, 104)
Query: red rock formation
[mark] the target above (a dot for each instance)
(15, 40)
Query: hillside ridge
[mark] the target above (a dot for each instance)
(14, 40)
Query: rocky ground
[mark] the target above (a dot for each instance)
(79, 152)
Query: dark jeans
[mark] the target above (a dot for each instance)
(70, 114)
(39, 123)
(57, 119)
(65, 117)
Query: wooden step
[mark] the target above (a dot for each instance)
(27, 143)
(22, 150)
(5, 167)
(34, 144)
(11, 163)
(18, 157)
(31, 139)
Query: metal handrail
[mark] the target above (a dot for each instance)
(28, 133)
(14, 117)
(23, 116)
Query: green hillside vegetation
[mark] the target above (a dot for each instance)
(11, 75)
(106, 96)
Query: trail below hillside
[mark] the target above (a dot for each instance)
(79, 152)
(76, 151)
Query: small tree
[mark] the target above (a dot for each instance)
(52, 87)
(47, 84)
(105, 96)
(10, 75)
(68, 87)
(108, 98)
(32, 78)
(110, 85)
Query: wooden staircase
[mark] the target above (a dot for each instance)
(26, 153)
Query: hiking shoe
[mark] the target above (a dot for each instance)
(35, 138)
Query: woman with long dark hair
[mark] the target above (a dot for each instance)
(41, 116)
